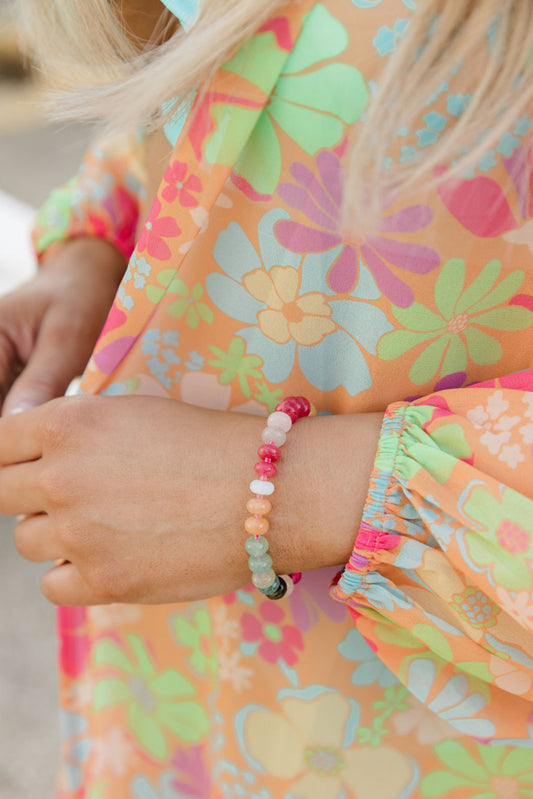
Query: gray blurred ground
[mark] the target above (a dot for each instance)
(33, 158)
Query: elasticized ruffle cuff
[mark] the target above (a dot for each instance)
(385, 496)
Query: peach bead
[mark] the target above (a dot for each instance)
(256, 526)
(259, 507)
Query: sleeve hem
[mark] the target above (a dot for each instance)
(384, 493)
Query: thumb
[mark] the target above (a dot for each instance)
(60, 355)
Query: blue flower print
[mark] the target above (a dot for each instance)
(290, 312)
(163, 360)
(138, 270)
(77, 746)
(142, 789)
(370, 669)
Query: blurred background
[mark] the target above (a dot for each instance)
(35, 155)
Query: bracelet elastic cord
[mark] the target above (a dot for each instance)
(272, 585)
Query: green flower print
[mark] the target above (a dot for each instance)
(188, 302)
(197, 635)
(493, 772)
(308, 104)
(454, 334)
(235, 363)
(499, 537)
(160, 704)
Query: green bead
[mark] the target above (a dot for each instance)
(256, 546)
(260, 565)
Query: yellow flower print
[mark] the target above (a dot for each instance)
(305, 318)
(310, 743)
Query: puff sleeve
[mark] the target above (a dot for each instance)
(102, 200)
(441, 577)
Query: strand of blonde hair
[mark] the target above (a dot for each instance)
(101, 72)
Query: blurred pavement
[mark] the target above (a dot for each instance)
(33, 158)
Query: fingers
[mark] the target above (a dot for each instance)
(10, 365)
(35, 539)
(21, 437)
(63, 585)
(60, 354)
(20, 489)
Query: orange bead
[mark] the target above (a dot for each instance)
(259, 507)
(256, 526)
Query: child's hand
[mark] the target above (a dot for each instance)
(49, 326)
(132, 491)
(146, 497)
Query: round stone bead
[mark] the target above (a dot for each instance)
(256, 526)
(259, 507)
(277, 590)
(273, 435)
(256, 546)
(265, 469)
(260, 565)
(291, 407)
(289, 583)
(269, 451)
(281, 420)
(263, 580)
(304, 406)
(262, 487)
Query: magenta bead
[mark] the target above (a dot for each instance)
(291, 407)
(305, 406)
(266, 469)
(269, 451)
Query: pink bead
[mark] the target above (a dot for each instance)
(269, 451)
(273, 435)
(281, 420)
(266, 469)
(295, 407)
(305, 406)
(291, 407)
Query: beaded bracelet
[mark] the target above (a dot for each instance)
(286, 413)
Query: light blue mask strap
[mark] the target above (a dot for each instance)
(186, 11)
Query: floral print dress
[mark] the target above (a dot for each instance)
(407, 672)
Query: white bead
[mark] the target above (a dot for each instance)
(274, 435)
(262, 487)
(281, 420)
(290, 584)
(263, 580)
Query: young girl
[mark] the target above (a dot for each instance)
(401, 663)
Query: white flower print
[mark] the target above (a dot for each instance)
(499, 428)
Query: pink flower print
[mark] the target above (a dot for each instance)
(122, 209)
(481, 206)
(193, 777)
(512, 537)
(181, 186)
(320, 199)
(276, 641)
(155, 230)
(75, 645)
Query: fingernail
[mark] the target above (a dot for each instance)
(23, 406)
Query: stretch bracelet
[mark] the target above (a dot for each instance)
(272, 585)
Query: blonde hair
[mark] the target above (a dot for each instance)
(101, 72)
